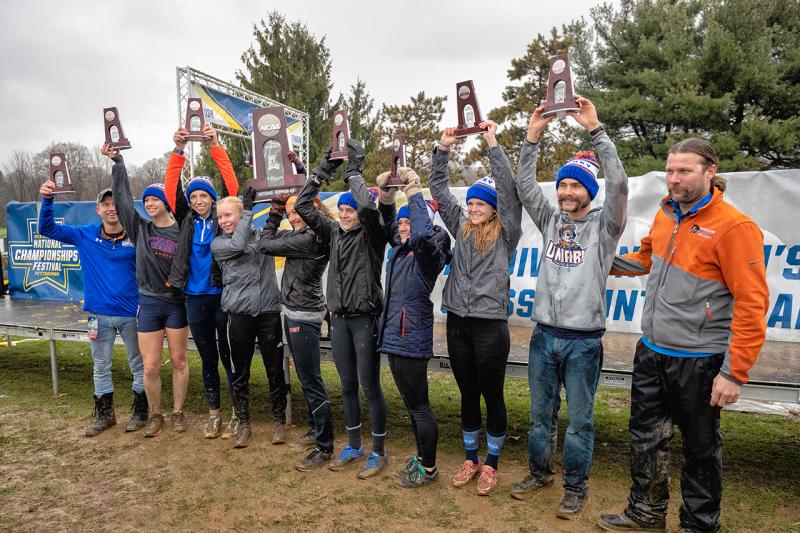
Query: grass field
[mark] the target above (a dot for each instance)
(53, 478)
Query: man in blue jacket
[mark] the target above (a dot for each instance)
(111, 297)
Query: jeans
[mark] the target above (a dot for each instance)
(243, 330)
(303, 338)
(667, 391)
(575, 364)
(354, 345)
(411, 377)
(103, 349)
(478, 350)
(208, 323)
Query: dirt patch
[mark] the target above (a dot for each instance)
(53, 478)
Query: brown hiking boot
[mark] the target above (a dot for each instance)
(154, 425)
(179, 424)
(279, 433)
(103, 413)
(243, 434)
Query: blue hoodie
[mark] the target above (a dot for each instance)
(109, 267)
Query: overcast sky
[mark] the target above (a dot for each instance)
(62, 62)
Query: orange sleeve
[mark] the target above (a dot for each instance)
(741, 258)
(636, 263)
(172, 178)
(220, 157)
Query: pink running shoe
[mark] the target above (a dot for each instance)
(487, 480)
(465, 474)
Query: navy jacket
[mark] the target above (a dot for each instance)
(406, 326)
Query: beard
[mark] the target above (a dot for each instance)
(684, 194)
(579, 204)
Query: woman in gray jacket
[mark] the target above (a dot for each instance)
(476, 298)
(250, 297)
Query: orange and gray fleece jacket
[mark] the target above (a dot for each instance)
(707, 290)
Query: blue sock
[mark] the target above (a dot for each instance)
(471, 444)
(495, 444)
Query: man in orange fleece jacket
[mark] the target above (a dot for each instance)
(703, 326)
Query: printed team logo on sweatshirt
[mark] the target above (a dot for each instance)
(566, 252)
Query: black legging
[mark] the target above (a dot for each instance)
(478, 350)
(207, 322)
(411, 377)
(242, 333)
(353, 340)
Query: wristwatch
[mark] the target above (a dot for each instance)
(177, 151)
(597, 130)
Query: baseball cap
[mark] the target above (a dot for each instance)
(103, 194)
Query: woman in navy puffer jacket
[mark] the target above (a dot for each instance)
(419, 252)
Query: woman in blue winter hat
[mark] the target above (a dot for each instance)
(476, 298)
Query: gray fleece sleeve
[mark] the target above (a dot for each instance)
(615, 206)
(530, 192)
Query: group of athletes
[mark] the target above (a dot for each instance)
(196, 263)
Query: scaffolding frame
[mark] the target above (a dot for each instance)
(185, 76)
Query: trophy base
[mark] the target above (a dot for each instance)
(560, 110)
(293, 184)
(465, 132)
(120, 145)
(63, 191)
(337, 155)
(197, 137)
(394, 182)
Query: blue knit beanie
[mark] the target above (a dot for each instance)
(483, 190)
(347, 199)
(157, 190)
(201, 183)
(405, 212)
(582, 168)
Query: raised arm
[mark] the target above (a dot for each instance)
(439, 183)
(286, 243)
(47, 222)
(367, 210)
(528, 189)
(230, 185)
(509, 208)
(225, 249)
(121, 190)
(305, 207)
(386, 206)
(429, 249)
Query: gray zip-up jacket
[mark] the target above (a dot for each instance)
(577, 254)
(478, 285)
(249, 285)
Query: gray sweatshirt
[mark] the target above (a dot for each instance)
(248, 276)
(577, 254)
(478, 285)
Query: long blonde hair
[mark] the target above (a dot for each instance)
(484, 235)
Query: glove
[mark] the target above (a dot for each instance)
(248, 198)
(322, 174)
(279, 204)
(387, 194)
(355, 159)
(412, 181)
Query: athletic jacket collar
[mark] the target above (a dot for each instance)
(673, 210)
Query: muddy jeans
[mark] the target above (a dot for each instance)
(666, 391)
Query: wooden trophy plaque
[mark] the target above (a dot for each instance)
(560, 91)
(469, 113)
(274, 172)
(398, 160)
(60, 174)
(115, 137)
(195, 120)
(341, 134)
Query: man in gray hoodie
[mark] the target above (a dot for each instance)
(569, 308)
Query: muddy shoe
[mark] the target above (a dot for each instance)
(154, 425)
(179, 424)
(465, 474)
(139, 412)
(487, 481)
(525, 489)
(230, 431)
(213, 427)
(243, 434)
(622, 522)
(375, 463)
(572, 503)
(304, 442)
(418, 477)
(279, 433)
(346, 456)
(313, 460)
(103, 413)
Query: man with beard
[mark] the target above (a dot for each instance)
(569, 307)
(703, 326)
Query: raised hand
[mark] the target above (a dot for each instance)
(209, 130)
(46, 190)
(179, 138)
(279, 204)
(109, 152)
(449, 138)
(537, 124)
(587, 115)
(491, 132)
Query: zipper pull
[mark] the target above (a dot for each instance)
(708, 311)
